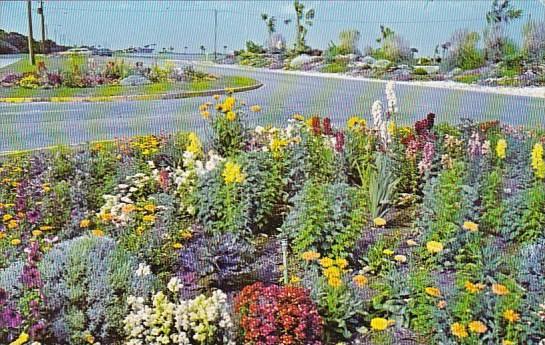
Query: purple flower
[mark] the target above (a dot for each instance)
(31, 277)
(33, 216)
(37, 329)
(339, 141)
(3, 296)
(10, 318)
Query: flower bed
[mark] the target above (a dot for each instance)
(307, 234)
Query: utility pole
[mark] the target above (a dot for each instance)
(30, 38)
(215, 35)
(41, 13)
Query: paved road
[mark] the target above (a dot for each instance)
(36, 125)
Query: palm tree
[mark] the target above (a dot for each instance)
(203, 49)
(270, 22)
(502, 12)
(301, 30)
(185, 50)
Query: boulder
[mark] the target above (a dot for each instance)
(303, 59)
(382, 64)
(135, 80)
(429, 69)
(369, 60)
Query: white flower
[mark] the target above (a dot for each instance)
(391, 97)
(174, 285)
(143, 270)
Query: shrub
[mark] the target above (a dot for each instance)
(86, 283)
(534, 40)
(244, 208)
(335, 67)
(278, 315)
(420, 71)
(396, 49)
(348, 41)
(255, 48)
(463, 52)
(326, 218)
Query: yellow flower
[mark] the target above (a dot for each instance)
(501, 146)
(46, 227)
(360, 280)
(232, 173)
(203, 107)
(150, 208)
(255, 108)
(379, 324)
(379, 221)
(23, 338)
(97, 233)
(356, 121)
(332, 272)
(511, 315)
(473, 288)
(15, 242)
(216, 97)
(37, 233)
(294, 279)
(205, 114)
(538, 164)
(507, 342)
(499, 289)
(229, 104)
(400, 258)
(148, 218)
(12, 224)
(298, 117)
(341, 263)
(411, 243)
(388, 252)
(310, 256)
(231, 116)
(106, 217)
(433, 291)
(7, 217)
(186, 234)
(477, 327)
(129, 208)
(326, 262)
(391, 128)
(334, 282)
(194, 145)
(177, 245)
(2, 235)
(434, 247)
(89, 338)
(458, 330)
(470, 226)
(84, 223)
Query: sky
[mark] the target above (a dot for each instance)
(185, 23)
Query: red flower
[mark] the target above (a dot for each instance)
(278, 315)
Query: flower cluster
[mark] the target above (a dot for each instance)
(278, 315)
(538, 163)
(202, 320)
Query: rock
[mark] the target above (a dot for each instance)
(456, 71)
(135, 80)
(401, 75)
(429, 69)
(360, 65)
(304, 59)
(404, 67)
(381, 64)
(369, 60)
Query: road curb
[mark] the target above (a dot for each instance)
(91, 99)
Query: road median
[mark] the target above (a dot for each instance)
(122, 98)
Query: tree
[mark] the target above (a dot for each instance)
(502, 11)
(385, 32)
(203, 49)
(304, 19)
(270, 22)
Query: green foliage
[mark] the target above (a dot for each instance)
(228, 135)
(493, 207)
(381, 183)
(533, 218)
(420, 71)
(326, 218)
(252, 47)
(335, 67)
(348, 41)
